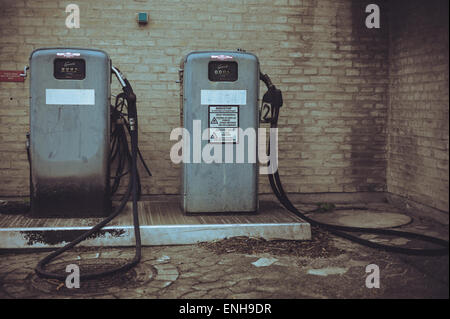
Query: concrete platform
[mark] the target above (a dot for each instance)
(161, 222)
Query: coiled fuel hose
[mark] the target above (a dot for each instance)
(273, 97)
(132, 190)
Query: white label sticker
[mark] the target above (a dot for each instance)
(223, 124)
(221, 97)
(69, 97)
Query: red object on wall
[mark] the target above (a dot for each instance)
(11, 76)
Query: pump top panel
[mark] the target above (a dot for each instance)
(219, 100)
(69, 132)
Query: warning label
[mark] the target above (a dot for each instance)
(223, 123)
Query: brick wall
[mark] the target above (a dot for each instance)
(419, 104)
(332, 70)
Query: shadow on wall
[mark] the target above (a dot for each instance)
(369, 73)
(418, 101)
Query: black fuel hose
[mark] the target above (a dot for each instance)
(274, 97)
(132, 190)
(120, 152)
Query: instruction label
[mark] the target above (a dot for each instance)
(223, 123)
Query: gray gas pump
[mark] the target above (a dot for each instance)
(219, 101)
(69, 143)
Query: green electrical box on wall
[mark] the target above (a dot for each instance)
(142, 18)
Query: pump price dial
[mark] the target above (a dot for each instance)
(69, 69)
(223, 71)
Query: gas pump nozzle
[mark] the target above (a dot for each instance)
(130, 97)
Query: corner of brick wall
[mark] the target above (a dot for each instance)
(418, 144)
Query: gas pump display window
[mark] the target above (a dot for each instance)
(69, 69)
(219, 71)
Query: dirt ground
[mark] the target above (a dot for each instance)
(320, 246)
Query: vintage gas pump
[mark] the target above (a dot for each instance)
(219, 107)
(70, 132)
(75, 134)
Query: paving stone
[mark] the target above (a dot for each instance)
(194, 295)
(207, 262)
(219, 293)
(249, 295)
(17, 276)
(166, 277)
(212, 276)
(190, 275)
(213, 285)
(160, 283)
